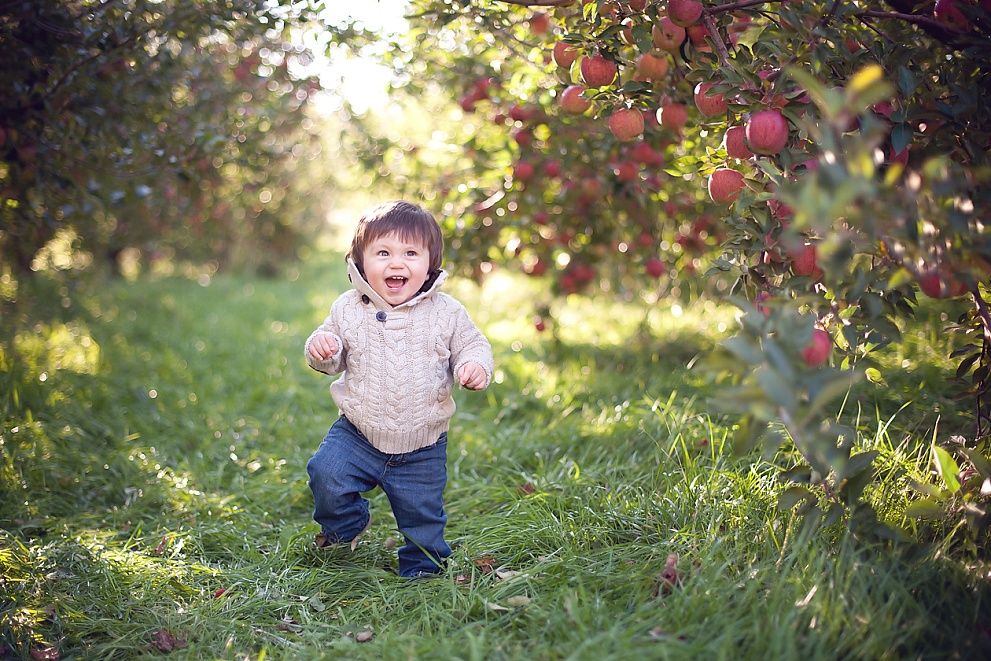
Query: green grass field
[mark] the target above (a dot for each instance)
(152, 473)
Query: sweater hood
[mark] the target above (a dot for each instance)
(362, 287)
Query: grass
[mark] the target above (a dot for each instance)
(153, 450)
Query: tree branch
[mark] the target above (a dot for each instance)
(710, 26)
(743, 4)
(539, 3)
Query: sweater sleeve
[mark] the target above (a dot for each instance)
(334, 364)
(469, 345)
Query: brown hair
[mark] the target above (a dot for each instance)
(409, 221)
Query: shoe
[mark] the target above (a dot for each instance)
(321, 541)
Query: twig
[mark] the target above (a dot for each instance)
(539, 3)
(717, 40)
(910, 18)
(743, 4)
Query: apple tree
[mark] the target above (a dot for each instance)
(820, 163)
(161, 127)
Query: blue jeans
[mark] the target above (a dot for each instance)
(346, 465)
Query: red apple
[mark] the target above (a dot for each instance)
(672, 116)
(626, 171)
(762, 298)
(818, 350)
(552, 168)
(684, 12)
(940, 283)
(804, 261)
(597, 71)
(626, 124)
(735, 144)
(539, 23)
(655, 267)
(709, 105)
(650, 67)
(565, 54)
(519, 113)
(767, 132)
(697, 34)
(522, 137)
(523, 171)
(539, 324)
(947, 13)
(572, 101)
(725, 185)
(668, 36)
(637, 5)
(644, 153)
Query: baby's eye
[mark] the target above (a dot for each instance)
(383, 253)
(411, 253)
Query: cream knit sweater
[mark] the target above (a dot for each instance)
(399, 362)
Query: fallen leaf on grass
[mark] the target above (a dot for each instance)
(518, 601)
(219, 592)
(485, 563)
(164, 641)
(670, 577)
(493, 606)
(289, 624)
(45, 653)
(160, 549)
(315, 603)
(364, 636)
(526, 489)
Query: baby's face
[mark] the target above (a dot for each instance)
(395, 268)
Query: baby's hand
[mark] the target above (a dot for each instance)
(323, 346)
(472, 376)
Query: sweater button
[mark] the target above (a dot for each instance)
(380, 316)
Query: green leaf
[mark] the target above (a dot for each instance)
(925, 509)
(793, 496)
(874, 376)
(800, 474)
(642, 37)
(947, 468)
(907, 82)
(836, 385)
(858, 463)
(981, 463)
(744, 349)
(833, 515)
(926, 489)
(746, 435)
(901, 136)
(778, 389)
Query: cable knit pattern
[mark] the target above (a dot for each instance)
(398, 373)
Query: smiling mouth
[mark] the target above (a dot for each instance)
(395, 283)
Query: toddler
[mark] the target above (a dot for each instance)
(399, 345)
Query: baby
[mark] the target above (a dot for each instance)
(400, 345)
